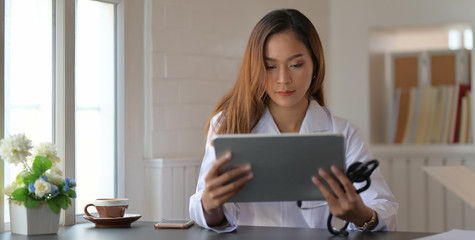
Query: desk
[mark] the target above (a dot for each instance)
(145, 230)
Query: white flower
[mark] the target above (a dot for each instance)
(10, 188)
(48, 150)
(55, 175)
(42, 187)
(15, 148)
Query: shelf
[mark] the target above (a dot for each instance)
(423, 95)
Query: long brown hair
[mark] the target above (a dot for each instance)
(243, 105)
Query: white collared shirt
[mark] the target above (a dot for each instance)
(288, 214)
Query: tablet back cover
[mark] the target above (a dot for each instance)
(283, 165)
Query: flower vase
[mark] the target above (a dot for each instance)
(32, 221)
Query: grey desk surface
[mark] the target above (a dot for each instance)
(145, 230)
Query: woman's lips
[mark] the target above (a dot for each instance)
(285, 93)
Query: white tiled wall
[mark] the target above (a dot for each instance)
(197, 52)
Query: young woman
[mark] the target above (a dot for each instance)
(280, 89)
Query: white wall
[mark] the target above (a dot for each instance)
(197, 51)
(350, 24)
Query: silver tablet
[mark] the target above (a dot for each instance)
(283, 165)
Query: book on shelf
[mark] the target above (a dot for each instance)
(402, 98)
(448, 113)
(453, 114)
(435, 135)
(462, 136)
(394, 120)
(469, 121)
(462, 89)
(423, 125)
(464, 130)
(469, 113)
(414, 96)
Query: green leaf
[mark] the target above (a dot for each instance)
(41, 164)
(60, 187)
(61, 201)
(30, 179)
(71, 193)
(31, 203)
(20, 194)
(53, 206)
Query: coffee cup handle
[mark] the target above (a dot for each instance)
(85, 209)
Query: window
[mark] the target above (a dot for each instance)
(34, 68)
(460, 36)
(95, 101)
(468, 38)
(29, 71)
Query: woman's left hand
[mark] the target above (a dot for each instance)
(342, 199)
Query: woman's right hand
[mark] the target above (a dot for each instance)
(218, 189)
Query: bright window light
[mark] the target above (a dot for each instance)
(468, 39)
(28, 74)
(455, 39)
(95, 102)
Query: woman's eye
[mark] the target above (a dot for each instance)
(296, 65)
(270, 67)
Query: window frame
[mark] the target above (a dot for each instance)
(2, 104)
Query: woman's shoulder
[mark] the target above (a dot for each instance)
(216, 120)
(345, 126)
(356, 144)
(338, 124)
(214, 125)
(341, 123)
(351, 131)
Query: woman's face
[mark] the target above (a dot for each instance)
(289, 69)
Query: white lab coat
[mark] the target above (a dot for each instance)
(287, 214)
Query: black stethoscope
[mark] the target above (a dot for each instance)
(357, 172)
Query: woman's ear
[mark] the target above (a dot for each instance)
(315, 71)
